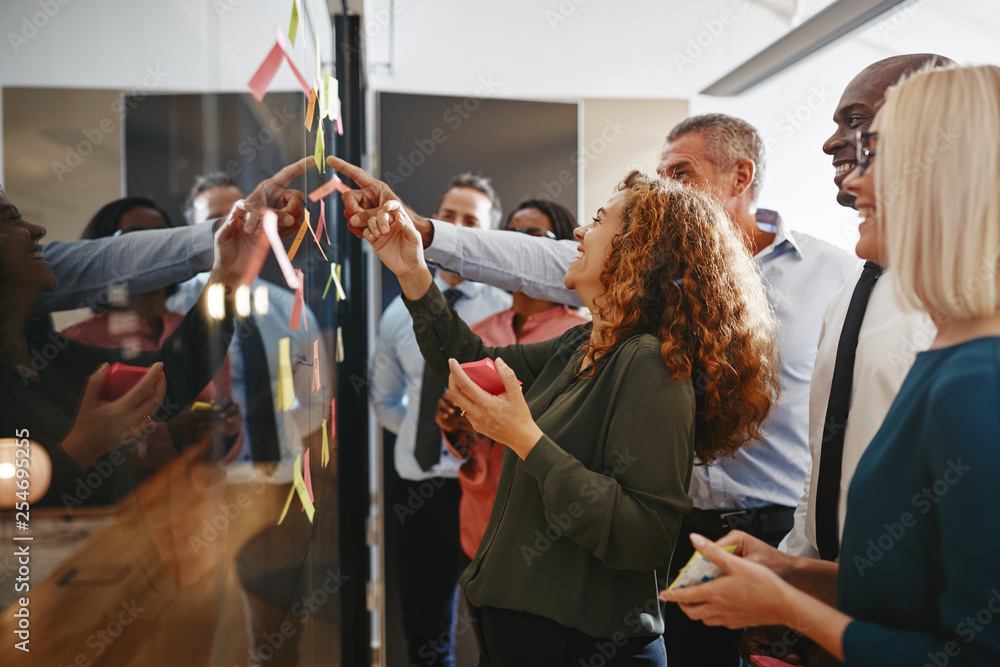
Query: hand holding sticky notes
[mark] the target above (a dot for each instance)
(484, 373)
(698, 570)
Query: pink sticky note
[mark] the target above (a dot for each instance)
(333, 184)
(271, 230)
(338, 125)
(484, 373)
(298, 305)
(307, 475)
(333, 418)
(256, 260)
(322, 220)
(767, 661)
(265, 73)
(286, 47)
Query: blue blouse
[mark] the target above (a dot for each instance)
(919, 566)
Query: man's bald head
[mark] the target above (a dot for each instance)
(860, 101)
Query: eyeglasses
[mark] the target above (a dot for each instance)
(866, 143)
(533, 231)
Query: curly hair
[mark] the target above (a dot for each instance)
(678, 270)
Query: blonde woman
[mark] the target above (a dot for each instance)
(917, 582)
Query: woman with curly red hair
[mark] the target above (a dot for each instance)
(602, 436)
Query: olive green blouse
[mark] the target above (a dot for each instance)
(581, 530)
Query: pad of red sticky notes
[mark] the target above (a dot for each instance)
(120, 379)
(767, 661)
(484, 373)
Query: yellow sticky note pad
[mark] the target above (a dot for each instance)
(698, 570)
(286, 388)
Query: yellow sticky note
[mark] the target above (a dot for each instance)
(298, 239)
(286, 388)
(293, 25)
(320, 153)
(341, 296)
(299, 484)
(340, 346)
(288, 503)
(325, 457)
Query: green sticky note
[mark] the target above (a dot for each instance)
(293, 25)
(320, 154)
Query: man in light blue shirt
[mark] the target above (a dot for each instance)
(423, 500)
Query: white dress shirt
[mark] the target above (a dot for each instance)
(888, 343)
(801, 274)
(397, 372)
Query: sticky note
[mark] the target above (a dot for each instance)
(265, 73)
(333, 184)
(299, 484)
(329, 281)
(341, 296)
(321, 225)
(315, 237)
(286, 388)
(338, 122)
(288, 503)
(293, 24)
(315, 384)
(319, 154)
(256, 259)
(324, 459)
(298, 306)
(767, 661)
(286, 49)
(310, 110)
(698, 570)
(307, 474)
(297, 242)
(271, 230)
(333, 418)
(340, 347)
(333, 93)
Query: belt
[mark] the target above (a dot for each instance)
(759, 521)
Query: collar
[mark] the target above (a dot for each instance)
(784, 241)
(468, 288)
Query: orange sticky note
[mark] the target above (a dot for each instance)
(311, 109)
(321, 225)
(271, 230)
(315, 384)
(324, 190)
(298, 240)
(315, 237)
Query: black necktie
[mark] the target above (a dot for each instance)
(831, 458)
(427, 448)
(260, 422)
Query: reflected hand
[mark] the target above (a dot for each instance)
(274, 194)
(450, 419)
(102, 426)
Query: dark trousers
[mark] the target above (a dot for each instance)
(692, 643)
(428, 567)
(519, 639)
